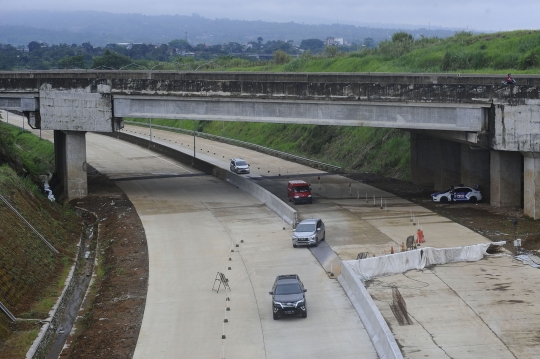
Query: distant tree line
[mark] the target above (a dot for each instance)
(40, 56)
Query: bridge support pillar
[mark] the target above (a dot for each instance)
(531, 184)
(422, 159)
(70, 158)
(447, 164)
(505, 178)
(475, 169)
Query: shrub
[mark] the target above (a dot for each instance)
(281, 57)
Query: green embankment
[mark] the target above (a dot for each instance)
(31, 275)
(382, 151)
(361, 149)
(498, 53)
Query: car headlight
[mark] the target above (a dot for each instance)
(309, 196)
(296, 196)
(277, 304)
(299, 303)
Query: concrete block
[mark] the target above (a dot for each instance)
(76, 109)
(516, 128)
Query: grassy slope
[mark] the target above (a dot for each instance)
(360, 149)
(31, 276)
(381, 151)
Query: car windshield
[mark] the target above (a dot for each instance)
(301, 189)
(305, 227)
(292, 288)
(241, 163)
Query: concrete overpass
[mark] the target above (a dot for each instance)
(468, 129)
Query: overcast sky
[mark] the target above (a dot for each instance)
(480, 15)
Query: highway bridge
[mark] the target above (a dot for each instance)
(464, 128)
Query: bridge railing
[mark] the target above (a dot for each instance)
(302, 160)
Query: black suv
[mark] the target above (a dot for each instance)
(288, 296)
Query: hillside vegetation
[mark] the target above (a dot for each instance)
(31, 275)
(362, 149)
(356, 149)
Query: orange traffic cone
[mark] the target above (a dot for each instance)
(402, 247)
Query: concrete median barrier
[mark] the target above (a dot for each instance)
(383, 340)
(282, 209)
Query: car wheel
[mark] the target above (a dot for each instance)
(294, 246)
(323, 236)
(276, 316)
(294, 202)
(316, 243)
(304, 315)
(444, 199)
(473, 199)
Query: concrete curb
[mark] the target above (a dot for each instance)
(283, 210)
(381, 336)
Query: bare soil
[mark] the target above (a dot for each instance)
(110, 319)
(494, 223)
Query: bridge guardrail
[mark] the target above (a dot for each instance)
(251, 146)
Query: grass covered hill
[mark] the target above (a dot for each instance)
(31, 275)
(465, 52)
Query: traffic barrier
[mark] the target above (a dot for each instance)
(382, 338)
(282, 209)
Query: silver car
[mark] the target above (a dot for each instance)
(238, 165)
(309, 233)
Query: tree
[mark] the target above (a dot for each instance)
(259, 40)
(331, 51)
(111, 60)
(281, 57)
(33, 46)
(72, 62)
(369, 43)
(313, 45)
(402, 36)
(180, 44)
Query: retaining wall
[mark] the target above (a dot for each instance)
(379, 332)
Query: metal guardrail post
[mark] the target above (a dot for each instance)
(8, 313)
(29, 225)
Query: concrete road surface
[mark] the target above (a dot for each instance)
(192, 223)
(486, 309)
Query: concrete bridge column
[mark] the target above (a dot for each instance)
(447, 163)
(475, 169)
(505, 178)
(422, 159)
(531, 184)
(70, 156)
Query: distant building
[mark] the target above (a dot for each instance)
(331, 41)
(127, 45)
